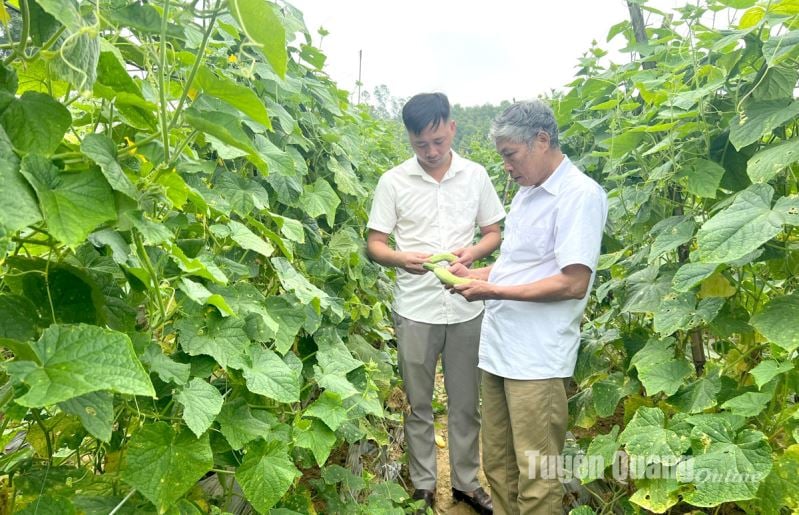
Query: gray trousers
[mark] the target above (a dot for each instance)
(419, 346)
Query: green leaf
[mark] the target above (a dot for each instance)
(749, 404)
(242, 235)
(49, 505)
(239, 425)
(224, 339)
(741, 228)
(607, 394)
(671, 233)
(666, 378)
(266, 374)
(201, 266)
(201, 404)
(265, 475)
(263, 28)
(767, 370)
(35, 122)
(778, 83)
(168, 370)
(200, 294)
(290, 228)
(345, 177)
(602, 449)
(329, 409)
(18, 318)
(778, 49)
(771, 321)
(766, 164)
(242, 193)
(657, 494)
(759, 119)
(102, 151)
(788, 208)
(79, 359)
(76, 61)
(691, 274)
(19, 203)
(703, 177)
(697, 396)
(163, 465)
(73, 204)
(242, 98)
(320, 199)
(682, 312)
(646, 435)
(727, 471)
(95, 411)
(223, 126)
(65, 11)
(289, 318)
(296, 283)
(645, 289)
(780, 488)
(315, 436)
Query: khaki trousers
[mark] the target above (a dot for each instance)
(419, 346)
(522, 420)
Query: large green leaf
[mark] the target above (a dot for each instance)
(771, 321)
(657, 494)
(320, 199)
(77, 59)
(224, 339)
(681, 312)
(768, 369)
(35, 122)
(19, 203)
(697, 396)
(77, 359)
(289, 317)
(691, 274)
(749, 404)
(102, 151)
(266, 474)
(73, 204)
(329, 409)
(95, 411)
(295, 282)
(266, 374)
(200, 294)
(601, 450)
(671, 233)
(658, 369)
(18, 318)
(263, 28)
(759, 119)
(703, 178)
(788, 208)
(781, 487)
(726, 469)
(647, 436)
(766, 164)
(741, 228)
(240, 425)
(226, 127)
(242, 98)
(163, 464)
(314, 436)
(645, 289)
(168, 370)
(242, 235)
(201, 404)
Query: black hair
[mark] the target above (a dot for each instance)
(423, 110)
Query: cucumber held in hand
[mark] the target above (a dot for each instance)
(444, 256)
(445, 276)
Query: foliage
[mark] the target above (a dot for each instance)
(690, 341)
(184, 297)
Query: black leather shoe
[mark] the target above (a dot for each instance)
(428, 496)
(479, 500)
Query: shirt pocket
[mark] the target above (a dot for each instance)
(530, 242)
(460, 212)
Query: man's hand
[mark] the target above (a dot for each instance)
(475, 290)
(466, 256)
(412, 262)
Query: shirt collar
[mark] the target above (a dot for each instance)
(553, 183)
(457, 165)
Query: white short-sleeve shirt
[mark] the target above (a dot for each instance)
(429, 216)
(549, 227)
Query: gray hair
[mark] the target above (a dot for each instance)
(523, 121)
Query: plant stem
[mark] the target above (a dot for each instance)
(196, 66)
(23, 38)
(122, 502)
(162, 81)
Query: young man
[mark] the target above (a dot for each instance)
(535, 296)
(431, 203)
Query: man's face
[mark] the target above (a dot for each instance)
(432, 146)
(524, 163)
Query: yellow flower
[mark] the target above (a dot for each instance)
(232, 59)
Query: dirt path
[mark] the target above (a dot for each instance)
(444, 502)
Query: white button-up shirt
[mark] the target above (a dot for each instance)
(549, 227)
(429, 216)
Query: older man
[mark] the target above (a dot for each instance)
(535, 296)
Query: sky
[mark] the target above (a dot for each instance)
(476, 52)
